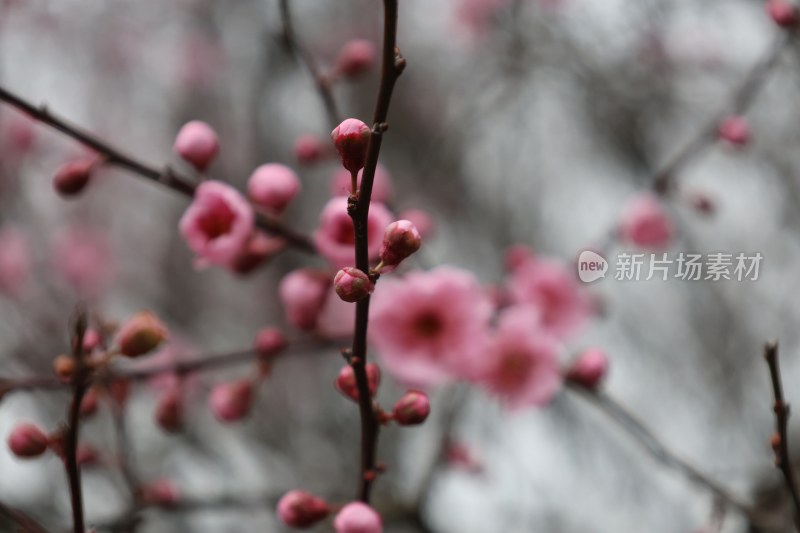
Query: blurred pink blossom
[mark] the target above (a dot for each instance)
(335, 237)
(83, 258)
(645, 223)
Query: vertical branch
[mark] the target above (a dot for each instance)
(79, 384)
(780, 441)
(392, 66)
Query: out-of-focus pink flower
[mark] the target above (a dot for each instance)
(301, 510)
(169, 410)
(230, 402)
(161, 493)
(381, 185)
(218, 224)
(346, 380)
(82, 256)
(355, 58)
(589, 369)
(17, 135)
(521, 364)
(734, 130)
(358, 517)
(309, 149)
(335, 237)
(517, 255)
(303, 293)
(645, 223)
(421, 220)
(430, 327)
(260, 247)
(351, 138)
(197, 143)
(270, 342)
(337, 319)
(550, 288)
(27, 440)
(476, 16)
(15, 261)
(783, 13)
(273, 186)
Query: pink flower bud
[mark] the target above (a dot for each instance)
(351, 139)
(273, 186)
(357, 517)
(335, 236)
(303, 293)
(421, 220)
(400, 240)
(91, 340)
(64, 367)
(231, 401)
(197, 143)
(141, 334)
(169, 410)
(259, 248)
(27, 440)
(355, 58)
(71, 178)
(301, 510)
(270, 342)
(309, 149)
(783, 13)
(589, 369)
(645, 224)
(346, 381)
(412, 408)
(351, 284)
(735, 131)
(160, 493)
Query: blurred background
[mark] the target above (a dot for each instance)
(516, 121)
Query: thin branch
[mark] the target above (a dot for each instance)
(392, 66)
(129, 521)
(79, 386)
(321, 82)
(167, 177)
(660, 451)
(781, 439)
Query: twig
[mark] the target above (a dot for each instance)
(25, 523)
(392, 66)
(167, 177)
(129, 521)
(781, 440)
(648, 440)
(79, 387)
(321, 83)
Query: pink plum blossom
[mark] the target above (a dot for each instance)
(734, 130)
(337, 319)
(549, 287)
(300, 509)
(15, 260)
(231, 401)
(782, 12)
(197, 143)
(589, 368)
(335, 237)
(381, 184)
(218, 224)
(645, 223)
(476, 16)
(355, 58)
(358, 517)
(309, 149)
(430, 327)
(27, 440)
(351, 138)
(303, 293)
(273, 186)
(521, 364)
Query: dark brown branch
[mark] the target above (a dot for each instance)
(392, 67)
(321, 82)
(167, 177)
(781, 440)
(25, 523)
(79, 386)
(660, 451)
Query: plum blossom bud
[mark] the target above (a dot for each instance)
(231, 401)
(309, 149)
(160, 493)
(358, 517)
(589, 369)
(782, 12)
(421, 220)
(412, 408)
(355, 58)
(169, 410)
(352, 284)
(301, 510)
(64, 367)
(735, 131)
(351, 139)
(141, 334)
(645, 223)
(400, 240)
(218, 224)
(27, 440)
(197, 143)
(273, 186)
(303, 293)
(71, 178)
(346, 381)
(270, 342)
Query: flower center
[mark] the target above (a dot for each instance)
(344, 233)
(217, 220)
(428, 325)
